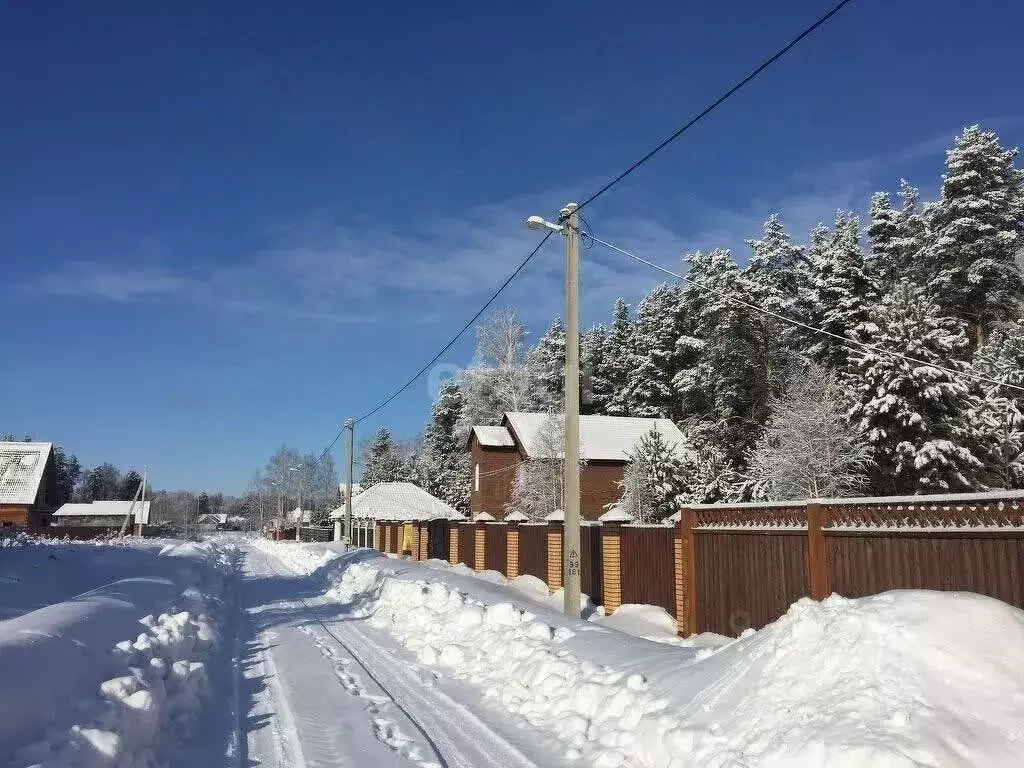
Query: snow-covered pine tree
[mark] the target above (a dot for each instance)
(897, 237)
(772, 271)
(997, 411)
(548, 362)
(653, 363)
(714, 478)
(611, 373)
(975, 234)
(844, 291)
(592, 346)
(382, 461)
(808, 448)
(914, 416)
(447, 463)
(739, 358)
(655, 480)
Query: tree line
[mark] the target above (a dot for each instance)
(883, 356)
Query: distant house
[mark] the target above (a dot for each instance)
(397, 502)
(496, 451)
(212, 521)
(343, 490)
(110, 514)
(28, 484)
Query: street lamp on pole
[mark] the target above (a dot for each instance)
(298, 522)
(568, 226)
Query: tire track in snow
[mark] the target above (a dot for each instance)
(460, 740)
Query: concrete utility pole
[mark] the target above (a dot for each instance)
(298, 523)
(571, 535)
(351, 426)
(569, 226)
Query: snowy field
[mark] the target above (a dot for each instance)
(104, 649)
(281, 655)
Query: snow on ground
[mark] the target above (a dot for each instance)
(104, 678)
(898, 680)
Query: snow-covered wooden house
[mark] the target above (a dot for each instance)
(496, 451)
(28, 484)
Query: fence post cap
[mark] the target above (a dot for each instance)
(615, 516)
(516, 517)
(483, 517)
(558, 516)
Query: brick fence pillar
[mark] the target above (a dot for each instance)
(555, 555)
(817, 558)
(424, 551)
(378, 536)
(686, 574)
(387, 537)
(512, 550)
(611, 565)
(453, 543)
(479, 554)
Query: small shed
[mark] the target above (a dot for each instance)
(110, 514)
(28, 484)
(403, 503)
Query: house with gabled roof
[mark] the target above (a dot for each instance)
(605, 441)
(28, 484)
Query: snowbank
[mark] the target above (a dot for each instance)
(300, 557)
(897, 680)
(100, 680)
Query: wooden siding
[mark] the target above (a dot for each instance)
(467, 544)
(495, 553)
(990, 565)
(648, 566)
(590, 555)
(533, 551)
(748, 579)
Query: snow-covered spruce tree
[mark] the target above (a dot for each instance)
(537, 489)
(772, 271)
(897, 237)
(548, 362)
(914, 416)
(740, 357)
(975, 234)
(714, 479)
(592, 346)
(611, 373)
(844, 292)
(997, 411)
(808, 449)
(447, 464)
(654, 481)
(654, 362)
(382, 461)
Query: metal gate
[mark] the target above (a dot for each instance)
(438, 543)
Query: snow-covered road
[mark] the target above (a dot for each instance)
(325, 689)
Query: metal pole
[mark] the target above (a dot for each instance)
(571, 534)
(298, 523)
(351, 425)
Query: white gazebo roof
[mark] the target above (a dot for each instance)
(398, 501)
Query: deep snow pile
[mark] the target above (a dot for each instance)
(897, 680)
(299, 556)
(103, 679)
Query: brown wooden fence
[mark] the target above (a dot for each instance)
(496, 547)
(467, 544)
(533, 550)
(729, 567)
(648, 566)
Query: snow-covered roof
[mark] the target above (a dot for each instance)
(307, 515)
(343, 487)
(494, 437)
(21, 471)
(118, 509)
(602, 438)
(398, 501)
(218, 518)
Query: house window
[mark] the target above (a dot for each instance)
(476, 477)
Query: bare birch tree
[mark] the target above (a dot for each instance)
(538, 488)
(808, 448)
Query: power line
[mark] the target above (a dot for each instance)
(457, 336)
(387, 400)
(717, 102)
(800, 324)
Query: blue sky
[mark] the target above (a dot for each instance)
(226, 226)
